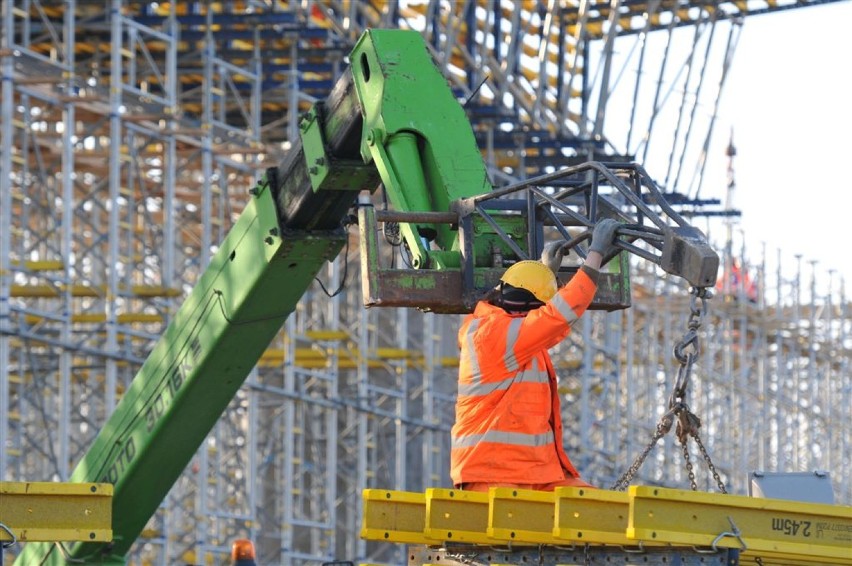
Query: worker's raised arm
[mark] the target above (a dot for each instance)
(547, 326)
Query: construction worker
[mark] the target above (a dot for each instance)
(508, 429)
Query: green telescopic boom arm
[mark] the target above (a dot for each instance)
(290, 227)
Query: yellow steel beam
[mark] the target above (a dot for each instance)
(100, 318)
(397, 354)
(772, 528)
(521, 515)
(594, 516)
(395, 516)
(77, 290)
(327, 335)
(453, 515)
(53, 512)
(40, 265)
(321, 358)
(654, 523)
(310, 358)
(747, 558)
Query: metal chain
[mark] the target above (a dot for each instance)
(464, 558)
(719, 483)
(663, 428)
(685, 352)
(690, 472)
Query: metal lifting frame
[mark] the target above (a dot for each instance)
(515, 222)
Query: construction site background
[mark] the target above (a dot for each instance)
(117, 193)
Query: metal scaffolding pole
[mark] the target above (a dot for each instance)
(6, 135)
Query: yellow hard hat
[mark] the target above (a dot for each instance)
(534, 277)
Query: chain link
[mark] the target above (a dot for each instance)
(689, 470)
(685, 352)
(719, 483)
(663, 427)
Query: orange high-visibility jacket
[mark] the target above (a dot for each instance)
(508, 426)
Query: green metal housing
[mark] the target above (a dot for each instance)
(418, 137)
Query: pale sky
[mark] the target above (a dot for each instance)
(789, 101)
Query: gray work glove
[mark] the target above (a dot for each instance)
(603, 237)
(552, 254)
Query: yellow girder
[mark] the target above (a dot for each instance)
(77, 290)
(48, 511)
(395, 516)
(765, 531)
(774, 528)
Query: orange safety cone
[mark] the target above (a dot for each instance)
(242, 553)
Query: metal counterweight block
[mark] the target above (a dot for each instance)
(49, 511)
(771, 529)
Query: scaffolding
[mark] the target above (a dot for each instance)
(130, 135)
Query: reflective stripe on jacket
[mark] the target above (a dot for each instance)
(508, 426)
